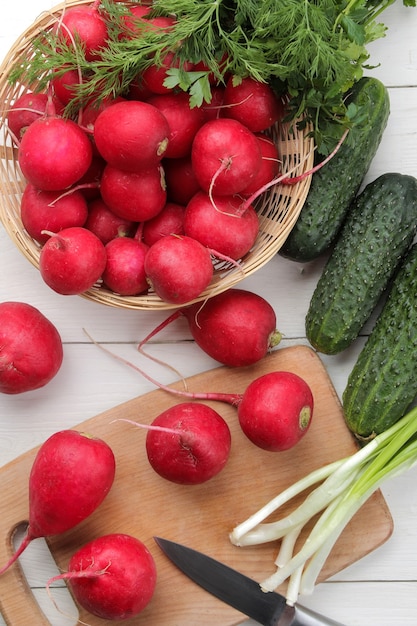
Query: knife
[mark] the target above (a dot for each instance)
(239, 591)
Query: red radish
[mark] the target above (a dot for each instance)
(92, 110)
(125, 267)
(160, 22)
(105, 224)
(134, 196)
(31, 351)
(170, 221)
(65, 85)
(54, 153)
(138, 19)
(137, 90)
(252, 103)
(51, 211)
(155, 75)
(190, 445)
(133, 21)
(131, 135)
(28, 108)
(213, 108)
(236, 327)
(84, 24)
(270, 165)
(178, 268)
(219, 224)
(113, 576)
(183, 120)
(71, 475)
(89, 184)
(72, 260)
(180, 180)
(225, 156)
(274, 411)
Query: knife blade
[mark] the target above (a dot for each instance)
(239, 591)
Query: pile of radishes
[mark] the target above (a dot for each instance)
(142, 192)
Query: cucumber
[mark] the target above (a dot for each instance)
(377, 233)
(334, 186)
(383, 382)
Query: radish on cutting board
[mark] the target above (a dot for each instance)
(71, 475)
(189, 443)
(113, 576)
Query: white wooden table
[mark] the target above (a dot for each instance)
(380, 589)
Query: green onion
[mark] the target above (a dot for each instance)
(344, 486)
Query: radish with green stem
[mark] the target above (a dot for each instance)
(274, 411)
(235, 327)
(71, 475)
(113, 576)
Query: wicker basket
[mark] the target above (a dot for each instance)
(278, 209)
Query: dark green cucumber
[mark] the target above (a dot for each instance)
(378, 231)
(334, 186)
(383, 381)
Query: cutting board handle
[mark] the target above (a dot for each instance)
(14, 587)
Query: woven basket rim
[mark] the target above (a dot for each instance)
(278, 209)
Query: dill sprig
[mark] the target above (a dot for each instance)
(314, 51)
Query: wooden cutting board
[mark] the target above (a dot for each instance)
(144, 505)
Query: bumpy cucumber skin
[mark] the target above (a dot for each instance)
(334, 186)
(376, 235)
(383, 382)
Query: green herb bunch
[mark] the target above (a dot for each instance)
(313, 51)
